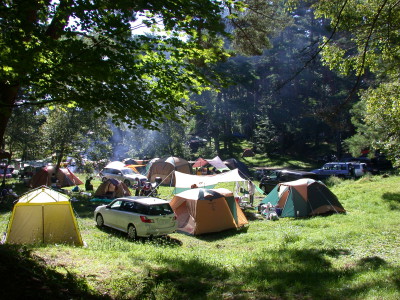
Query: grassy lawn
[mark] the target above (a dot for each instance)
(349, 256)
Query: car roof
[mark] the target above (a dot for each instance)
(143, 200)
(117, 168)
(294, 171)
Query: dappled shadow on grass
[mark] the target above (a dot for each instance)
(164, 240)
(84, 208)
(190, 279)
(25, 276)
(216, 236)
(282, 274)
(393, 199)
(295, 274)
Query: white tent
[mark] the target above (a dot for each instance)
(187, 181)
(218, 164)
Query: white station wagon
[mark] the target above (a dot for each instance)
(138, 216)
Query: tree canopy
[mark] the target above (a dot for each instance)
(94, 54)
(367, 45)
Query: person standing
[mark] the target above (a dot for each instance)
(252, 189)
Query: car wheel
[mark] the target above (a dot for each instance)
(127, 182)
(132, 232)
(104, 179)
(99, 220)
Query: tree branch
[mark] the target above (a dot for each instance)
(60, 20)
(361, 69)
(314, 56)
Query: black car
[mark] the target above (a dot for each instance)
(274, 177)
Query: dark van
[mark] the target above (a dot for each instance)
(274, 177)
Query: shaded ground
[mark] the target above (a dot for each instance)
(24, 276)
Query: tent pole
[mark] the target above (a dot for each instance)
(42, 223)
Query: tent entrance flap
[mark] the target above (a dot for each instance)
(295, 205)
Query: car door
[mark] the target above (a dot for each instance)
(126, 215)
(112, 213)
(327, 170)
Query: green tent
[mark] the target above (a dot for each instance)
(302, 198)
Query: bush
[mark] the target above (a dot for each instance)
(88, 167)
(333, 180)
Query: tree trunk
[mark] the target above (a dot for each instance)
(217, 125)
(8, 96)
(59, 158)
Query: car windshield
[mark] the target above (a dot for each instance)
(127, 172)
(274, 174)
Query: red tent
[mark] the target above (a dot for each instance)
(64, 176)
(200, 162)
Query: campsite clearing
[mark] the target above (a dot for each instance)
(342, 256)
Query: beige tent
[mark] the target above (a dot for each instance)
(165, 167)
(112, 188)
(202, 211)
(43, 216)
(64, 176)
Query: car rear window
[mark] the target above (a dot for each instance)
(152, 210)
(160, 209)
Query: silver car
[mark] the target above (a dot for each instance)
(138, 216)
(126, 175)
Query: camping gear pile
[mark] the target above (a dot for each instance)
(269, 211)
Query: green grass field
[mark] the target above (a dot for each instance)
(348, 256)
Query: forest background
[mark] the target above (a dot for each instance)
(323, 80)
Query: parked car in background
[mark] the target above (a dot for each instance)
(341, 169)
(8, 173)
(195, 142)
(124, 174)
(259, 173)
(360, 169)
(138, 216)
(274, 177)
